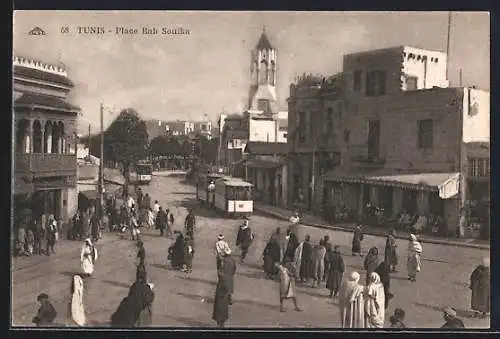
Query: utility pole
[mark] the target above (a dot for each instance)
(448, 45)
(101, 165)
(88, 140)
(460, 77)
(313, 165)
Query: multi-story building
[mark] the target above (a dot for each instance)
(45, 124)
(261, 120)
(204, 128)
(406, 141)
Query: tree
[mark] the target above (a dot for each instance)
(126, 140)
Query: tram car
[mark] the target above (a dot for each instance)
(233, 197)
(205, 187)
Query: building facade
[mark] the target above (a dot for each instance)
(45, 166)
(400, 139)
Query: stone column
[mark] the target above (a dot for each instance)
(42, 130)
(48, 150)
(397, 200)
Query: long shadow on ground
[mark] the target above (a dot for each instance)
(195, 279)
(460, 313)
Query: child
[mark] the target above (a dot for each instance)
(397, 319)
(30, 241)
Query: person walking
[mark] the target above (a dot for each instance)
(88, 257)
(51, 235)
(391, 255)
(371, 263)
(291, 245)
(227, 271)
(328, 246)
(414, 258)
(271, 256)
(188, 254)
(287, 275)
(221, 303)
(161, 221)
(351, 303)
(480, 286)
(46, 313)
(220, 249)
(335, 271)
(356, 240)
(244, 239)
(21, 241)
(384, 272)
(39, 234)
(190, 223)
(77, 308)
(303, 259)
(30, 242)
(319, 254)
(374, 303)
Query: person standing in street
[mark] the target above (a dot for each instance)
(77, 308)
(221, 303)
(51, 235)
(291, 245)
(375, 303)
(88, 257)
(397, 318)
(161, 221)
(451, 319)
(414, 258)
(319, 254)
(226, 272)
(30, 242)
(303, 259)
(94, 226)
(287, 275)
(328, 247)
(335, 271)
(188, 254)
(244, 239)
(351, 303)
(480, 285)
(391, 255)
(356, 241)
(384, 272)
(46, 313)
(371, 263)
(190, 224)
(271, 256)
(220, 249)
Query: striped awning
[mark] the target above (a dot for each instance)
(416, 181)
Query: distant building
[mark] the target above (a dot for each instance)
(45, 166)
(204, 128)
(156, 128)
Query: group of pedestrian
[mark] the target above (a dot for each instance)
(32, 234)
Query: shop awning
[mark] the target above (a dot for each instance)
(264, 164)
(444, 183)
(90, 195)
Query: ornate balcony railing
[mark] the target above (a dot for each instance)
(44, 162)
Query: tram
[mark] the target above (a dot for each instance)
(233, 197)
(141, 172)
(205, 186)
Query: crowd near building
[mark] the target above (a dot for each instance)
(45, 167)
(385, 138)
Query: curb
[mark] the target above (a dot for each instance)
(345, 229)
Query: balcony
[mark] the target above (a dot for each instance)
(360, 154)
(48, 163)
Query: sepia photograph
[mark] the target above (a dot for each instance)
(250, 169)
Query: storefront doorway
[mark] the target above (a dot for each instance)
(410, 201)
(385, 199)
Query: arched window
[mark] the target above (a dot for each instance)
(22, 137)
(272, 76)
(263, 72)
(37, 137)
(56, 134)
(47, 143)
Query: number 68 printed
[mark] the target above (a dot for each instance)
(64, 29)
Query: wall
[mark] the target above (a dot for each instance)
(71, 197)
(476, 115)
(399, 115)
(262, 130)
(424, 66)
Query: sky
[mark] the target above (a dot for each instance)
(206, 72)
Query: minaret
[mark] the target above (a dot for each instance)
(262, 94)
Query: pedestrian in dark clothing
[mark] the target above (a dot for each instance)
(336, 270)
(356, 240)
(39, 234)
(384, 270)
(480, 285)
(226, 272)
(221, 303)
(391, 256)
(176, 252)
(51, 235)
(244, 239)
(271, 256)
(328, 246)
(94, 226)
(141, 253)
(190, 224)
(397, 319)
(85, 226)
(291, 246)
(141, 297)
(46, 313)
(161, 221)
(306, 263)
(371, 263)
(451, 320)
